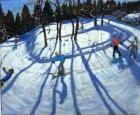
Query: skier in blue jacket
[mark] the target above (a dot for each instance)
(61, 58)
(8, 75)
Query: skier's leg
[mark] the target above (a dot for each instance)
(1, 83)
(118, 51)
(130, 54)
(62, 70)
(134, 54)
(59, 69)
(114, 50)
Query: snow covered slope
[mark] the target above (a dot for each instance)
(133, 17)
(94, 85)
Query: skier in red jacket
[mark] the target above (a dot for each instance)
(116, 42)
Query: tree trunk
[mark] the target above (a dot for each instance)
(45, 36)
(77, 21)
(72, 28)
(101, 10)
(57, 35)
(60, 26)
(76, 29)
(95, 21)
(102, 20)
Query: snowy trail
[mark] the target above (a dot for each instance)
(95, 85)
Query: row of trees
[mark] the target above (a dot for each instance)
(46, 11)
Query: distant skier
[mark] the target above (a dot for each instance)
(116, 42)
(49, 29)
(133, 48)
(109, 21)
(61, 58)
(82, 25)
(16, 40)
(7, 77)
(136, 41)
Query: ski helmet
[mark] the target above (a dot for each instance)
(56, 53)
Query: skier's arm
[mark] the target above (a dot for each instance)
(4, 70)
(7, 77)
(129, 46)
(55, 59)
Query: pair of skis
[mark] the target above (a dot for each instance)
(54, 75)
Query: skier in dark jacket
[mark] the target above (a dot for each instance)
(133, 49)
(8, 75)
(116, 42)
(17, 40)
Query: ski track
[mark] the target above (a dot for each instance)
(95, 85)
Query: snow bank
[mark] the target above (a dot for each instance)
(132, 18)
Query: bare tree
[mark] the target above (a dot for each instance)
(71, 15)
(95, 9)
(101, 11)
(58, 19)
(41, 16)
(77, 18)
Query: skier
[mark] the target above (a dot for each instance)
(109, 21)
(133, 48)
(116, 42)
(82, 25)
(16, 40)
(7, 77)
(136, 41)
(61, 58)
(49, 29)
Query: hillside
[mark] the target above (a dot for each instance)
(94, 83)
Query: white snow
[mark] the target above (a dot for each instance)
(133, 17)
(94, 85)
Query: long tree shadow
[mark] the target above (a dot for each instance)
(8, 87)
(41, 91)
(54, 97)
(30, 47)
(95, 48)
(96, 82)
(73, 87)
(63, 94)
(19, 73)
(132, 64)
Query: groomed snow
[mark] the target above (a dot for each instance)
(94, 84)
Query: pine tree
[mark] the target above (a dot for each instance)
(9, 23)
(18, 24)
(26, 19)
(119, 6)
(1, 16)
(37, 14)
(40, 19)
(88, 1)
(48, 12)
(1, 23)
